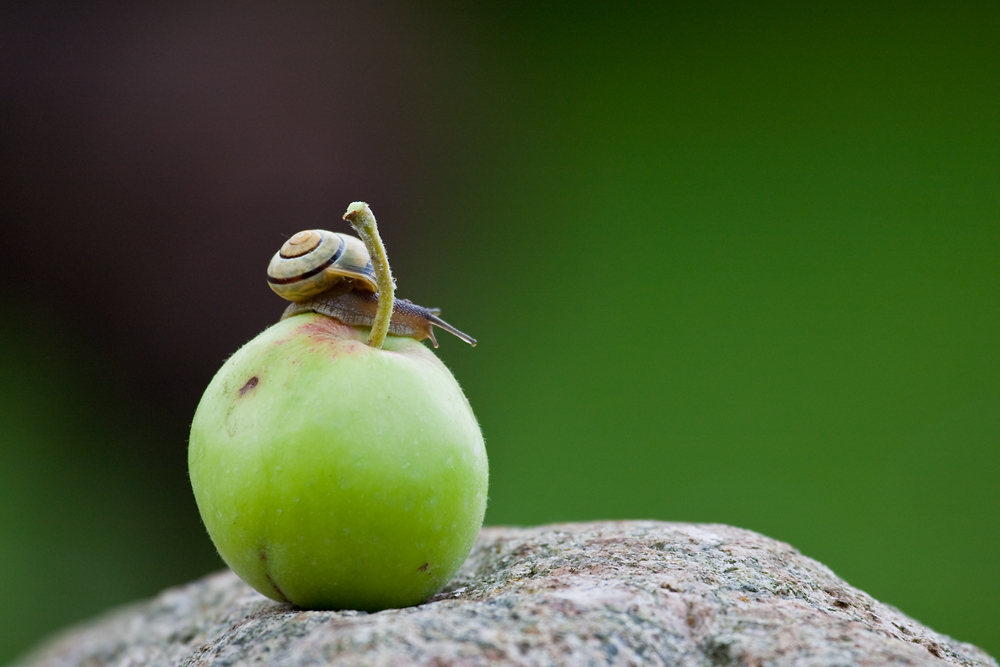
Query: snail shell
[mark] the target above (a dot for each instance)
(331, 274)
(314, 261)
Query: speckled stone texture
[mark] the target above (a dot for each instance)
(624, 593)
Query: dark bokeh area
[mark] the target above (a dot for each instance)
(725, 264)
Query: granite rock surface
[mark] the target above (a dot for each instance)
(616, 593)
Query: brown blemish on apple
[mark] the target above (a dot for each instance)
(277, 588)
(423, 568)
(270, 580)
(251, 383)
(322, 325)
(330, 336)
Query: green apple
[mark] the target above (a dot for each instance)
(337, 467)
(334, 475)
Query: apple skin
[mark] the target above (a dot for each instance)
(333, 475)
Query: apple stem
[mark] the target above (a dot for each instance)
(361, 218)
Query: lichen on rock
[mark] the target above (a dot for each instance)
(614, 593)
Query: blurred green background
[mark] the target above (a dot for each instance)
(726, 264)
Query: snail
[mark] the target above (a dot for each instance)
(332, 274)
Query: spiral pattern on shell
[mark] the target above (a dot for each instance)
(314, 261)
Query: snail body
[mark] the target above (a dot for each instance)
(332, 274)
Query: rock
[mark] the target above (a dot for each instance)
(626, 593)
